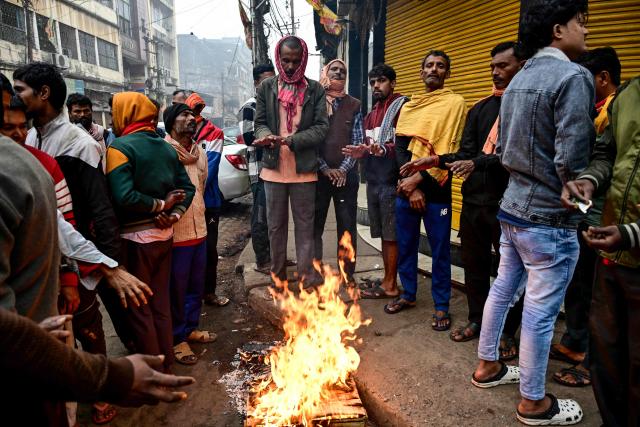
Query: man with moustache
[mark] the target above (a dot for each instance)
(80, 109)
(189, 257)
(430, 124)
(291, 124)
(381, 172)
(338, 178)
(484, 183)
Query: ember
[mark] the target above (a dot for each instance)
(310, 372)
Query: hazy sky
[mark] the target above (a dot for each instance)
(221, 18)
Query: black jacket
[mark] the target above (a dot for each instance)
(487, 182)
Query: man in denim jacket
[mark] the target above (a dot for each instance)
(546, 133)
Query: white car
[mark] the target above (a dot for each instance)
(233, 175)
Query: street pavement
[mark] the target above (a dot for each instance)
(410, 375)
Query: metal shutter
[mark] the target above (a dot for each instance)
(616, 23)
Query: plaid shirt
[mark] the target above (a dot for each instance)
(254, 154)
(357, 136)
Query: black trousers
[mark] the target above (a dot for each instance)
(577, 301)
(614, 343)
(259, 227)
(117, 314)
(212, 216)
(479, 231)
(345, 203)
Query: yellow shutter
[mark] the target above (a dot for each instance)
(616, 23)
(466, 31)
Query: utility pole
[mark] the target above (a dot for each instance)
(28, 52)
(259, 40)
(293, 18)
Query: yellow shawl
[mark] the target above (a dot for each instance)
(434, 121)
(132, 112)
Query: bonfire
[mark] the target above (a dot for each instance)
(315, 362)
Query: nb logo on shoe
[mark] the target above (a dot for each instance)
(443, 212)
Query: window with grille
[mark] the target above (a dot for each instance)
(68, 41)
(123, 9)
(12, 23)
(87, 47)
(47, 33)
(107, 54)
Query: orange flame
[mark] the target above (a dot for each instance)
(316, 357)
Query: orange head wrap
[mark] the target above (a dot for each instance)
(132, 112)
(192, 101)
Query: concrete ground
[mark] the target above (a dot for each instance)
(410, 375)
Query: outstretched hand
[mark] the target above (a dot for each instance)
(356, 151)
(151, 386)
(127, 286)
(55, 326)
(417, 165)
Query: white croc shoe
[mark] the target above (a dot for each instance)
(563, 412)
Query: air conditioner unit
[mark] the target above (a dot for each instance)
(61, 61)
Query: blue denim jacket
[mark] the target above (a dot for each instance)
(546, 135)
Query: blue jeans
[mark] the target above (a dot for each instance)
(437, 222)
(187, 288)
(547, 256)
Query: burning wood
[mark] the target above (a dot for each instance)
(309, 381)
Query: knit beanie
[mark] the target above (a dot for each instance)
(170, 114)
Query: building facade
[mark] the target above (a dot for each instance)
(149, 47)
(220, 67)
(81, 38)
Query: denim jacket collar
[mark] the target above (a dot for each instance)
(552, 51)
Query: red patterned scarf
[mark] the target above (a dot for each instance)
(291, 89)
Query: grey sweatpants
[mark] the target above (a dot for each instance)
(302, 196)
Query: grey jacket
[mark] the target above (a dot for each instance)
(546, 135)
(313, 127)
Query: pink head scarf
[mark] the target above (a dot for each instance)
(333, 88)
(291, 89)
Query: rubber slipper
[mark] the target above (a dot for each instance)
(397, 305)
(473, 326)
(562, 412)
(436, 319)
(202, 337)
(103, 414)
(582, 379)
(510, 342)
(375, 293)
(507, 375)
(184, 355)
